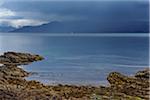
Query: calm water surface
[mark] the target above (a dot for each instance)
(79, 59)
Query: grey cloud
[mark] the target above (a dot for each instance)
(132, 10)
(91, 11)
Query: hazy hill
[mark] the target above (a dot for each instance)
(87, 27)
(6, 28)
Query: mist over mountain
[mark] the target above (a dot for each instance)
(87, 27)
(6, 28)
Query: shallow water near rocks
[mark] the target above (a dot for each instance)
(81, 60)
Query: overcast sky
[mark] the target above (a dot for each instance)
(18, 13)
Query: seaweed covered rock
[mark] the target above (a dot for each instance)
(143, 74)
(13, 71)
(18, 58)
(129, 85)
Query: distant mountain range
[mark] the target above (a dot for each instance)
(61, 27)
(86, 27)
(6, 28)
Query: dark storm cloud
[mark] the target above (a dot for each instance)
(92, 11)
(121, 10)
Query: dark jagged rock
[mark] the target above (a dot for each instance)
(129, 85)
(143, 74)
(13, 70)
(13, 58)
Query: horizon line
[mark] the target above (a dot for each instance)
(83, 34)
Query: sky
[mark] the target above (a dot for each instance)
(19, 13)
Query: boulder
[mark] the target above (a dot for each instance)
(132, 86)
(143, 74)
(13, 70)
(14, 58)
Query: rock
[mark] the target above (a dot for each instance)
(7, 95)
(18, 58)
(13, 70)
(129, 85)
(143, 74)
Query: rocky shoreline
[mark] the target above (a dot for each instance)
(13, 85)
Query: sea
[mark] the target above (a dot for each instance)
(79, 59)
